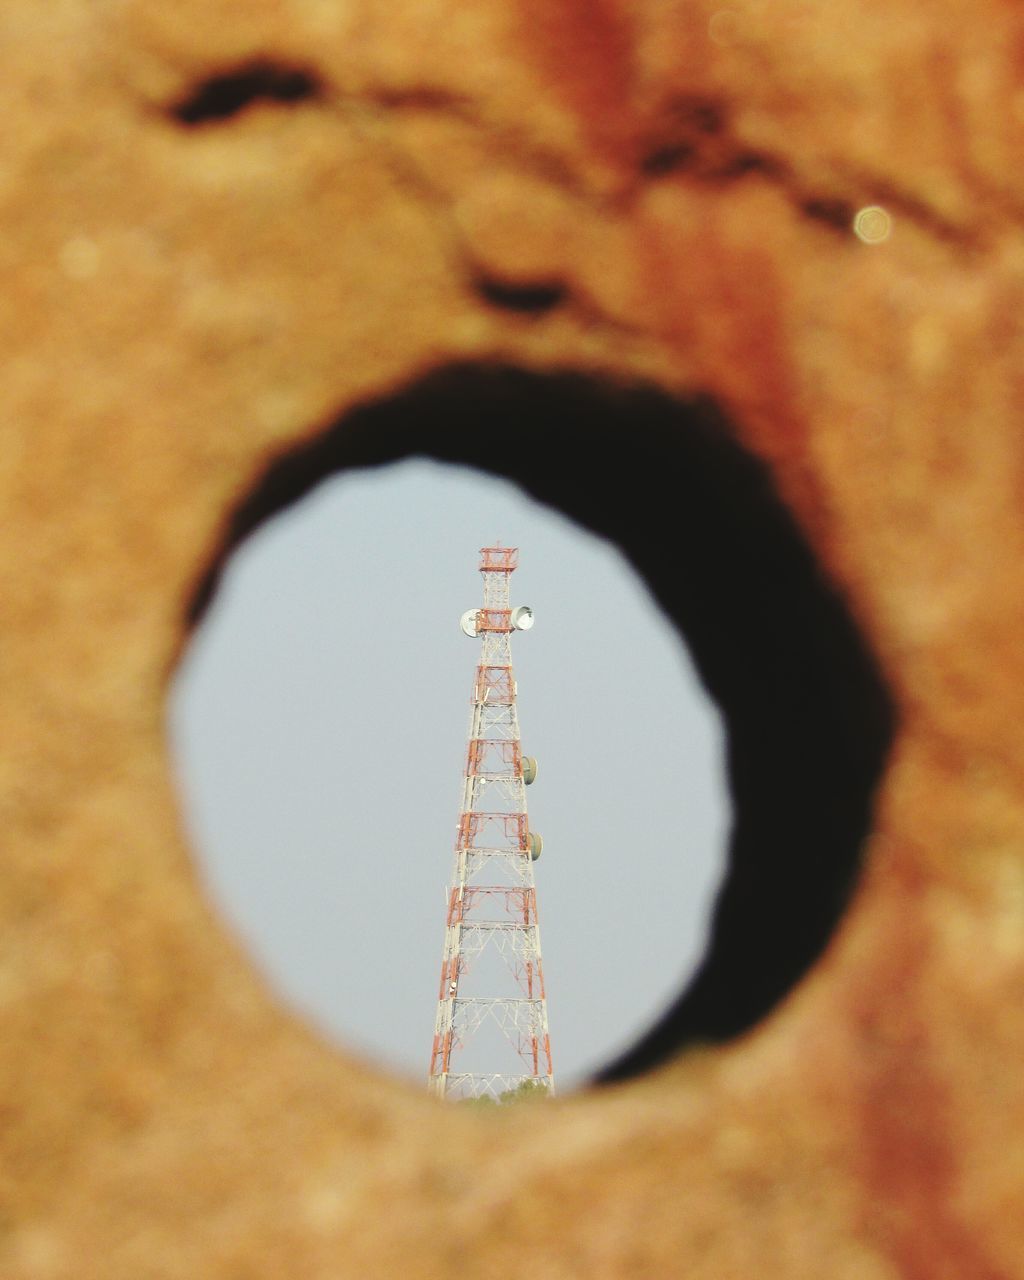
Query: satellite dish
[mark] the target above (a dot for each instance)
(468, 623)
(522, 618)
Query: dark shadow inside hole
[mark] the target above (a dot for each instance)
(808, 719)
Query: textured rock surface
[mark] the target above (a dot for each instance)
(195, 278)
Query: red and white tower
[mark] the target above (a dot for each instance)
(491, 1034)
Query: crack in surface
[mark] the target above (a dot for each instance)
(369, 112)
(695, 141)
(691, 141)
(526, 297)
(225, 94)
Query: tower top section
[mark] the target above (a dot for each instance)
(498, 559)
(497, 618)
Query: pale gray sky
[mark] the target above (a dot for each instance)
(319, 724)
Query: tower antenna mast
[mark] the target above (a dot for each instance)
(491, 1034)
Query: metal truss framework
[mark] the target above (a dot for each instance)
(492, 899)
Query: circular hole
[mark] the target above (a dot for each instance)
(319, 722)
(808, 720)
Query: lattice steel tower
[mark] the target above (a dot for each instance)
(491, 1034)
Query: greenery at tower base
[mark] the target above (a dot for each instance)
(524, 1091)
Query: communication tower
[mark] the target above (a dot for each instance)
(491, 1034)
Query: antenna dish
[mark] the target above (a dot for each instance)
(522, 618)
(468, 623)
